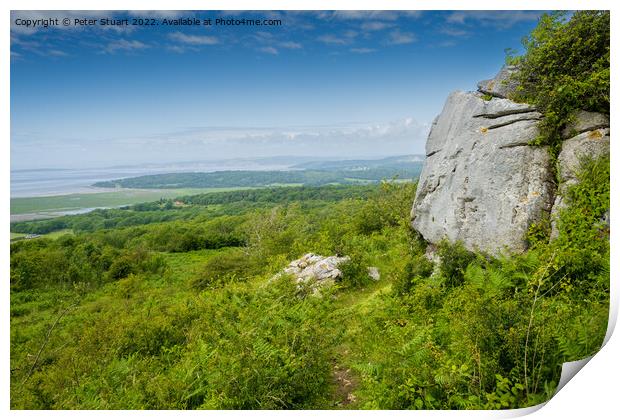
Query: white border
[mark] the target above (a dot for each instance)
(593, 393)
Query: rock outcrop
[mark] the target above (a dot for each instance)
(482, 183)
(316, 270)
(585, 121)
(591, 140)
(502, 85)
(373, 273)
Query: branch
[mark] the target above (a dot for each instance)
(47, 338)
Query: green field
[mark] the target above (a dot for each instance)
(69, 202)
(52, 235)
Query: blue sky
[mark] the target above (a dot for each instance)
(324, 84)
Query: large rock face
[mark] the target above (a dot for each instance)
(482, 183)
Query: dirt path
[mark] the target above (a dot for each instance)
(345, 384)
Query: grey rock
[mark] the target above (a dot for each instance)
(585, 121)
(373, 273)
(316, 270)
(593, 144)
(605, 221)
(482, 183)
(502, 85)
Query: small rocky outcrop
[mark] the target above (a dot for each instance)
(316, 270)
(373, 273)
(591, 139)
(585, 121)
(482, 183)
(502, 85)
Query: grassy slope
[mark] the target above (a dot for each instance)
(153, 340)
(32, 314)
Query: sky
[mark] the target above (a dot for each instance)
(337, 84)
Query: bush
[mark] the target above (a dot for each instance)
(454, 259)
(419, 267)
(565, 68)
(223, 268)
(354, 272)
(133, 262)
(582, 246)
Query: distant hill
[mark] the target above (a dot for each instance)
(310, 173)
(396, 162)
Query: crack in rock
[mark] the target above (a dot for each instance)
(504, 113)
(516, 144)
(491, 127)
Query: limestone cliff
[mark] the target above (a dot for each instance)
(483, 183)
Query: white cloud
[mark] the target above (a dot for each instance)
(362, 50)
(291, 45)
(369, 14)
(193, 39)
(414, 14)
(269, 50)
(346, 38)
(333, 40)
(498, 19)
(124, 45)
(375, 26)
(403, 136)
(344, 141)
(57, 53)
(397, 37)
(447, 44)
(181, 49)
(452, 31)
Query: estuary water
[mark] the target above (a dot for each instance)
(48, 182)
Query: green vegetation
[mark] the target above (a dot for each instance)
(189, 207)
(187, 314)
(227, 179)
(15, 236)
(59, 203)
(565, 68)
(178, 305)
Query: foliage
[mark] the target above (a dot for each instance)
(454, 259)
(194, 206)
(226, 179)
(417, 268)
(565, 68)
(223, 268)
(176, 305)
(157, 324)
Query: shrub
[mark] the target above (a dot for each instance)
(417, 268)
(454, 259)
(354, 272)
(565, 67)
(223, 268)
